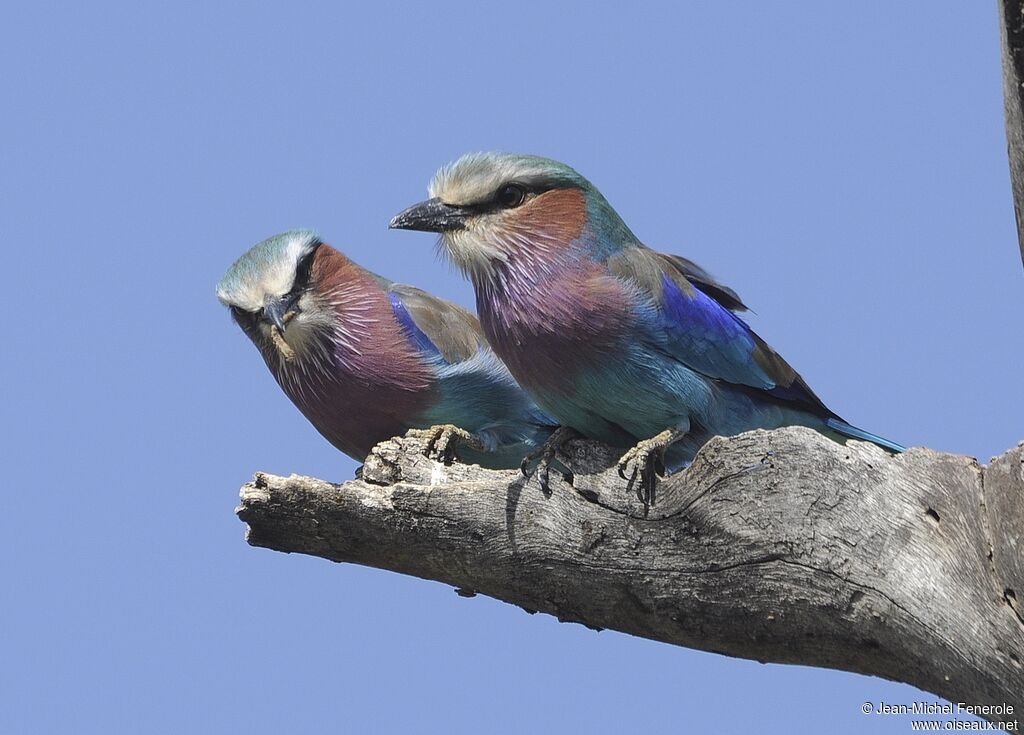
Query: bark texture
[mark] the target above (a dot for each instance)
(1011, 29)
(778, 546)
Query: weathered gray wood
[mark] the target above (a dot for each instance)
(777, 546)
(1004, 510)
(1011, 30)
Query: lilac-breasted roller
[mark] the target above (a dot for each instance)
(618, 342)
(365, 359)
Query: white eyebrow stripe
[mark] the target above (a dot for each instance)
(265, 270)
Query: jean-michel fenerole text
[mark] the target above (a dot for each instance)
(941, 708)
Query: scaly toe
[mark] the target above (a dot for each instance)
(440, 446)
(539, 460)
(440, 441)
(638, 457)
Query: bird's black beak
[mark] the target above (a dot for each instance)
(432, 215)
(280, 311)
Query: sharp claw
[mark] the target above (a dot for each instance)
(443, 447)
(647, 459)
(539, 461)
(443, 440)
(432, 446)
(545, 473)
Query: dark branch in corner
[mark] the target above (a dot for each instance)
(1011, 29)
(776, 546)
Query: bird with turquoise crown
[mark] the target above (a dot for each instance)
(366, 359)
(618, 342)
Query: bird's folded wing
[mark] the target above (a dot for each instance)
(436, 326)
(692, 321)
(704, 281)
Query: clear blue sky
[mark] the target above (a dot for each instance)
(842, 165)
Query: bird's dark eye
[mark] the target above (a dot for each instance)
(510, 195)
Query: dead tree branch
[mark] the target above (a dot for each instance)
(1011, 31)
(777, 546)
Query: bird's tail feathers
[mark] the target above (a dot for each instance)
(853, 432)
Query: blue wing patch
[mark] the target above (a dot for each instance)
(708, 338)
(712, 340)
(689, 317)
(416, 335)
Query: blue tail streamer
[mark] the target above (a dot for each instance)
(853, 432)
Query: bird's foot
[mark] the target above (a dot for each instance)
(539, 460)
(646, 462)
(444, 439)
